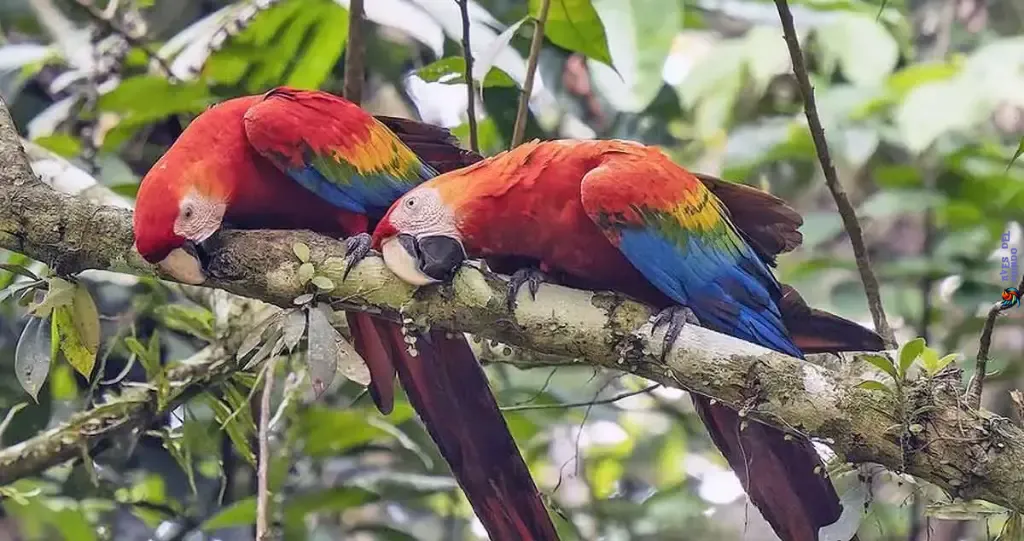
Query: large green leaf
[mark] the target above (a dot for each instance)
(148, 98)
(452, 70)
(576, 26)
(324, 49)
(640, 35)
(863, 50)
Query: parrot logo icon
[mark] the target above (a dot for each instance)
(1011, 298)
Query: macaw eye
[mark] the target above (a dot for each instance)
(187, 212)
(410, 202)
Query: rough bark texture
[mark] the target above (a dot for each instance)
(972, 454)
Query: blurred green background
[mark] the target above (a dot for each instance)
(923, 106)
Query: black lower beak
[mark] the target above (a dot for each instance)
(439, 256)
(197, 251)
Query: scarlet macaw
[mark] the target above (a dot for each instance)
(622, 216)
(293, 159)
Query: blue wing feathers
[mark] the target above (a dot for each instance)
(365, 194)
(729, 291)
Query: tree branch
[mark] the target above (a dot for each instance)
(355, 52)
(846, 210)
(519, 129)
(972, 453)
(467, 54)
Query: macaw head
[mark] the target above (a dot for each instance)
(419, 236)
(183, 198)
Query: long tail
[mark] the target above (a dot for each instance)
(449, 390)
(784, 478)
(817, 331)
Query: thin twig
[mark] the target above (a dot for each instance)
(519, 131)
(588, 403)
(355, 53)
(977, 383)
(263, 490)
(467, 53)
(846, 210)
(111, 25)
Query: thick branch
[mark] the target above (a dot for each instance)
(971, 453)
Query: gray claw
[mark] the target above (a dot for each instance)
(356, 248)
(676, 317)
(529, 276)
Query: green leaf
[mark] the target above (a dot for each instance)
(72, 344)
(331, 499)
(59, 293)
(1020, 150)
(964, 105)
(323, 283)
(305, 273)
(86, 318)
(323, 50)
(944, 362)
(196, 321)
(929, 359)
(865, 52)
(293, 329)
(322, 353)
(576, 26)
(61, 144)
(149, 355)
(147, 98)
(301, 251)
(19, 270)
(32, 356)
(1013, 529)
(452, 71)
(256, 335)
(873, 385)
(640, 36)
(909, 353)
(240, 513)
(883, 363)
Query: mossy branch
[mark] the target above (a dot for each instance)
(971, 453)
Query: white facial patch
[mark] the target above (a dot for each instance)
(199, 217)
(184, 268)
(421, 212)
(403, 264)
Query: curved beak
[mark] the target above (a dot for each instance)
(184, 264)
(424, 260)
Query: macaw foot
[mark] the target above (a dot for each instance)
(526, 276)
(356, 248)
(676, 317)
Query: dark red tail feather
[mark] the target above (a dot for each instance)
(370, 345)
(784, 477)
(817, 331)
(778, 474)
(449, 390)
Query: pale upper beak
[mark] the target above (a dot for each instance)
(427, 260)
(183, 265)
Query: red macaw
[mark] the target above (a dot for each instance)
(295, 159)
(622, 216)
